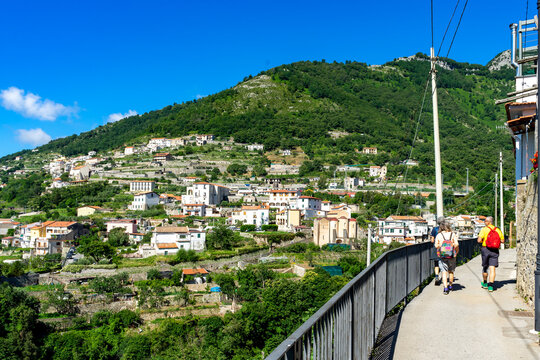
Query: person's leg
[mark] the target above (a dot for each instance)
(493, 263)
(445, 279)
(451, 278)
(485, 265)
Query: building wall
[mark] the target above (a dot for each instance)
(141, 186)
(526, 226)
(85, 211)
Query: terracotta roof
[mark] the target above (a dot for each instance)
(145, 192)
(412, 218)
(167, 246)
(308, 197)
(194, 271)
(58, 223)
(122, 221)
(255, 207)
(179, 216)
(198, 205)
(161, 154)
(172, 229)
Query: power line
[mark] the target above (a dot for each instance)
(473, 196)
(413, 142)
(447, 27)
(457, 28)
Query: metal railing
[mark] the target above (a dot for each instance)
(346, 327)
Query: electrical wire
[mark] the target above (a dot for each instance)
(447, 27)
(413, 142)
(457, 28)
(473, 196)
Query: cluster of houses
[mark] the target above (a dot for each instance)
(415, 229)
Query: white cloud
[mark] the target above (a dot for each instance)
(32, 106)
(33, 136)
(199, 96)
(119, 116)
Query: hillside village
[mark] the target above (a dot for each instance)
(270, 202)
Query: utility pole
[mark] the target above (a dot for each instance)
(467, 181)
(537, 271)
(438, 172)
(495, 212)
(368, 261)
(501, 193)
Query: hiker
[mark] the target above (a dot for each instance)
(434, 255)
(490, 237)
(447, 246)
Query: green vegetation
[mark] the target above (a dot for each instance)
(371, 106)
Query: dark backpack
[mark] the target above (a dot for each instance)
(493, 240)
(446, 251)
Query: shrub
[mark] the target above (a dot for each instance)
(248, 228)
(154, 274)
(269, 227)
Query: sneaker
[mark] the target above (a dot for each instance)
(490, 288)
(484, 285)
(445, 292)
(437, 281)
(449, 287)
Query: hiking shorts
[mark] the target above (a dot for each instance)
(448, 264)
(490, 257)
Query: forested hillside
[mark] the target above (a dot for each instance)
(298, 104)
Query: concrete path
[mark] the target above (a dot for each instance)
(469, 323)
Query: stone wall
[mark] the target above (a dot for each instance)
(527, 237)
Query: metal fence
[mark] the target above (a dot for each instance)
(346, 327)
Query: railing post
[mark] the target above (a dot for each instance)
(352, 322)
(406, 273)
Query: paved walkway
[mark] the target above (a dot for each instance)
(469, 323)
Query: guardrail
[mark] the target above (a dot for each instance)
(346, 327)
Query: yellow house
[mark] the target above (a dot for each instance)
(38, 231)
(89, 210)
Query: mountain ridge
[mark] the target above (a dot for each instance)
(298, 104)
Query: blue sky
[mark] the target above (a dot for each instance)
(69, 66)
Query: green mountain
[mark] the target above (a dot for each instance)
(299, 104)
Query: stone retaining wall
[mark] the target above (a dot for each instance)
(527, 239)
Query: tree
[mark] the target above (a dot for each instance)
(118, 237)
(20, 332)
(63, 302)
(221, 238)
(98, 250)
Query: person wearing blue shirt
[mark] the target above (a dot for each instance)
(434, 255)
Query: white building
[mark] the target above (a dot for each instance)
(352, 183)
(168, 240)
(142, 185)
(129, 150)
(194, 209)
(281, 199)
(369, 150)
(255, 147)
(79, 173)
(252, 215)
(144, 201)
(377, 171)
(178, 142)
(129, 225)
(309, 206)
(158, 143)
(205, 193)
(405, 229)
